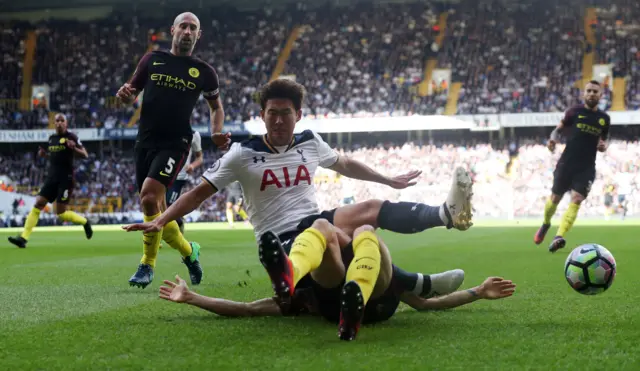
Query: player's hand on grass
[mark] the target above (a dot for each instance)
(147, 227)
(177, 292)
(404, 180)
(222, 141)
(551, 144)
(126, 93)
(602, 145)
(496, 288)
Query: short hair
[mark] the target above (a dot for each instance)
(594, 82)
(282, 89)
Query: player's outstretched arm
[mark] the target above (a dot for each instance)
(357, 170)
(178, 292)
(183, 206)
(492, 288)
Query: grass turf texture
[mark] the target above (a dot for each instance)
(66, 304)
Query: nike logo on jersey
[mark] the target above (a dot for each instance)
(158, 63)
(582, 117)
(163, 173)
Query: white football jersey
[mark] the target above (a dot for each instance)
(277, 183)
(196, 146)
(624, 181)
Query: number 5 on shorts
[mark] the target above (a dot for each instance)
(167, 170)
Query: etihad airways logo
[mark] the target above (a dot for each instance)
(169, 81)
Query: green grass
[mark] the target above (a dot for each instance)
(65, 304)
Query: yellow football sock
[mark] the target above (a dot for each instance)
(549, 210)
(306, 253)
(230, 216)
(31, 222)
(151, 243)
(73, 217)
(172, 236)
(568, 218)
(243, 214)
(365, 267)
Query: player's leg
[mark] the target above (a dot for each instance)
(361, 278)
(411, 217)
(307, 252)
(149, 190)
(622, 201)
(237, 207)
(47, 192)
(580, 188)
(164, 167)
(172, 195)
(229, 212)
(561, 184)
(60, 207)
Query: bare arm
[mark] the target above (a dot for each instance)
(186, 203)
(357, 170)
(492, 288)
(216, 115)
(179, 292)
(196, 163)
(555, 134)
(228, 308)
(81, 152)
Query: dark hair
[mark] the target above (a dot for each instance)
(594, 82)
(282, 89)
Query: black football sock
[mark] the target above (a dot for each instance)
(417, 283)
(408, 217)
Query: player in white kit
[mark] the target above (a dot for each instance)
(276, 173)
(624, 187)
(174, 191)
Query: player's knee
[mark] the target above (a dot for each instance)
(371, 210)
(362, 229)
(149, 202)
(326, 228)
(555, 198)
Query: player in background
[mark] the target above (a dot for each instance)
(624, 182)
(586, 129)
(58, 186)
(235, 203)
(172, 82)
(608, 200)
(176, 188)
(348, 192)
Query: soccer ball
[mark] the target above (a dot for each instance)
(590, 269)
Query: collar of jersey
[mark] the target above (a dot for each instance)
(272, 148)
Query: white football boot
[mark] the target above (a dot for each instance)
(456, 212)
(445, 283)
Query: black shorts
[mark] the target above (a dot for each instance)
(566, 178)
(175, 190)
(327, 300)
(162, 165)
(608, 200)
(58, 189)
(235, 198)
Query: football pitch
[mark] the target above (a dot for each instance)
(65, 303)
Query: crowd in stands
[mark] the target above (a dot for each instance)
(355, 59)
(502, 189)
